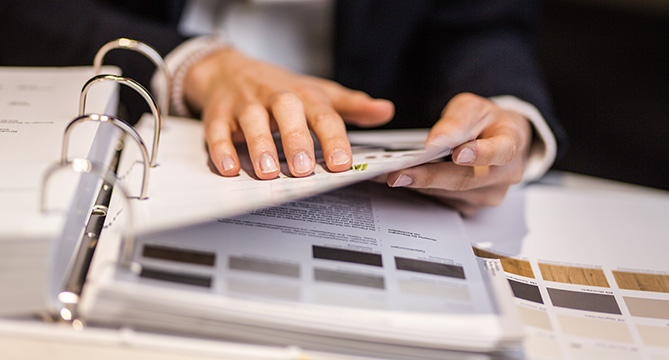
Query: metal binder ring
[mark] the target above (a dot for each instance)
(147, 51)
(121, 125)
(80, 165)
(141, 90)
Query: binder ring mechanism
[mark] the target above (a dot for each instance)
(68, 297)
(149, 52)
(142, 91)
(80, 165)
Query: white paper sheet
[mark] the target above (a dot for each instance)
(368, 265)
(36, 104)
(596, 278)
(183, 189)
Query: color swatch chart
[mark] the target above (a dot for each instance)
(577, 311)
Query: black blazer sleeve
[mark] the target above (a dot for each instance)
(65, 33)
(421, 53)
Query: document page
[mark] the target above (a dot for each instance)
(36, 104)
(363, 263)
(185, 189)
(590, 273)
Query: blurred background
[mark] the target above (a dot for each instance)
(607, 67)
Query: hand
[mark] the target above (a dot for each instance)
(491, 146)
(242, 99)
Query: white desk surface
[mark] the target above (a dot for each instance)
(546, 220)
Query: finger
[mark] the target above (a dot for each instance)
(463, 119)
(254, 122)
(330, 130)
(358, 108)
(219, 127)
(499, 149)
(452, 177)
(298, 145)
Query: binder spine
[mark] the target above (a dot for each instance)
(77, 269)
(74, 275)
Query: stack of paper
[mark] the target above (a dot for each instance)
(36, 104)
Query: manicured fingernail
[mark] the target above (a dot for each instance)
(339, 157)
(301, 162)
(228, 163)
(441, 141)
(466, 156)
(267, 163)
(402, 180)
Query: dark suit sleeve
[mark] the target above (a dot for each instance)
(494, 53)
(421, 53)
(67, 33)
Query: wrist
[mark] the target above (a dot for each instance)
(199, 79)
(181, 60)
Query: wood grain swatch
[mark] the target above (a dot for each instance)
(509, 264)
(642, 281)
(573, 275)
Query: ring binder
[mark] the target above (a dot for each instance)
(149, 52)
(121, 125)
(142, 91)
(66, 290)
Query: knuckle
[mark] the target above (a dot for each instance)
(358, 93)
(466, 98)
(508, 156)
(295, 134)
(219, 144)
(308, 91)
(465, 182)
(325, 118)
(424, 179)
(262, 141)
(286, 98)
(251, 109)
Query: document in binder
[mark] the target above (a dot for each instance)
(36, 105)
(368, 271)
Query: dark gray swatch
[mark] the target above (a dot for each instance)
(525, 291)
(181, 255)
(428, 267)
(351, 256)
(263, 266)
(349, 278)
(584, 301)
(197, 280)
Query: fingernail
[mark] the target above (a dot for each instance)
(301, 162)
(402, 180)
(441, 141)
(466, 156)
(228, 163)
(339, 157)
(267, 163)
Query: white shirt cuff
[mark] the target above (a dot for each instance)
(544, 146)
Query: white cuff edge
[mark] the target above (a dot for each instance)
(544, 147)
